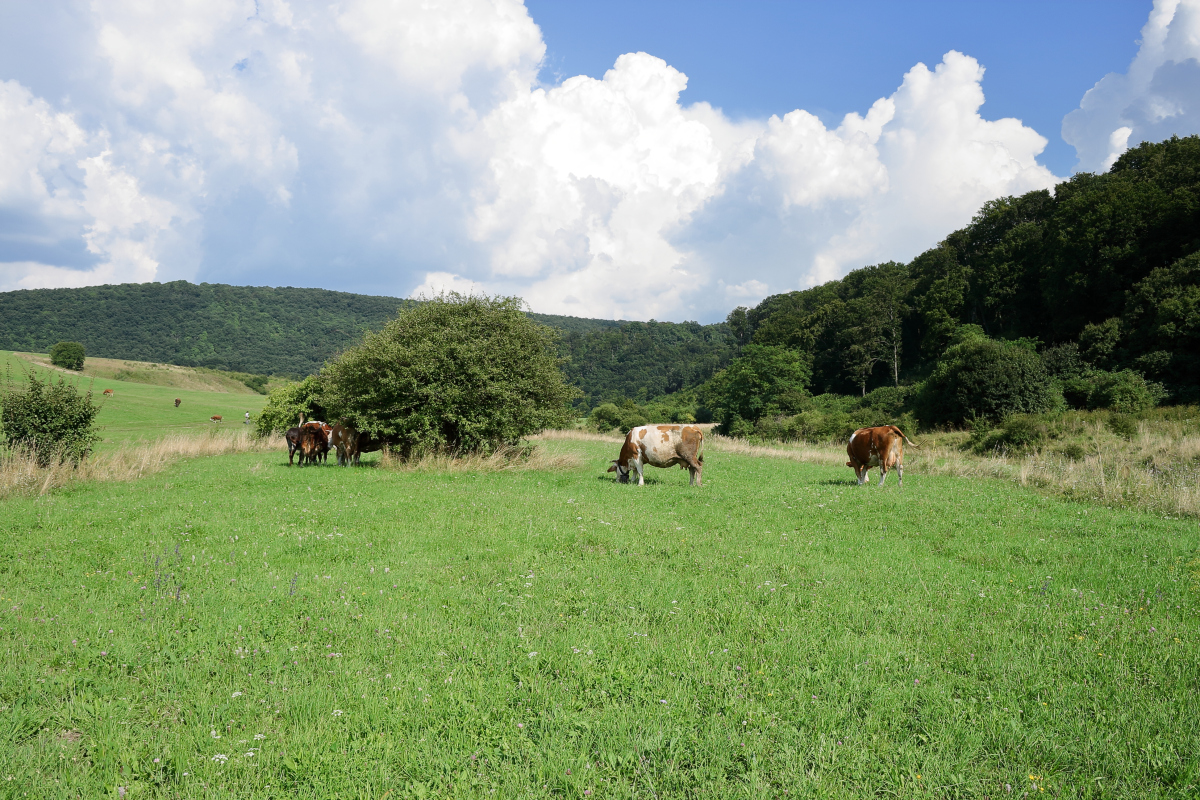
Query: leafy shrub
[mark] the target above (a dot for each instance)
(605, 417)
(51, 420)
(287, 403)
(1073, 450)
(762, 376)
(257, 383)
(455, 374)
(1123, 425)
(1126, 391)
(985, 378)
(1018, 433)
(68, 355)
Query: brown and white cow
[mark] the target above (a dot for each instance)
(881, 447)
(326, 434)
(177, 402)
(661, 446)
(108, 392)
(215, 418)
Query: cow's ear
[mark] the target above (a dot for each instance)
(613, 468)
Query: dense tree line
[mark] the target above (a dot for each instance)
(254, 329)
(1100, 278)
(643, 360)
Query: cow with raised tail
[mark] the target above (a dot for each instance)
(881, 447)
(661, 446)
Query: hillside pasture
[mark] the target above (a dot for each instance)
(141, 412)
(230, 627)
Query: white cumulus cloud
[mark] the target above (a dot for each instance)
(407, 147)
(1159, 95)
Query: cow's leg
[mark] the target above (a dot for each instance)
(863, 474)
(882, 475)
(900, 474)
(638, 464)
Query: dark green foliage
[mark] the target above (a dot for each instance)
(1018, 433)
(287, 404)
(1125, 391)
(763, 380)
(1107, 263)
(1162, 325)
(1123, 425)
(68, 355)
(454, 374)
(642, 360)
(982, 377)
(50, 419)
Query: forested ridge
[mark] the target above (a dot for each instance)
(1104, 272)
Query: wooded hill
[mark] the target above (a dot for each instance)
(1104, 272)
(289, 331)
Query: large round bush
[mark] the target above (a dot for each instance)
(985, 378)
(454, 374)
(68, 355)
(1125, 391)
(52, 421)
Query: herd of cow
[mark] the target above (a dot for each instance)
(311, 442)
(663, 446)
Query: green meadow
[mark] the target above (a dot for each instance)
(230, 627)
(140, 412)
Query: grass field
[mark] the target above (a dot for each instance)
(139, 412)
(230, 627)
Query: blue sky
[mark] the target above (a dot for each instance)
(626, 160)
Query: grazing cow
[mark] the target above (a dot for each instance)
(108, 392)
(351, 444)
(215, 418)
(322, 430)
(881, 447)
(661, 446)
(313, 445)
(293, 442)
(177, 402)
(344, 440)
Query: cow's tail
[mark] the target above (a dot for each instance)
(914, 444)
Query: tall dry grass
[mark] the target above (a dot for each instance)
(1157, 470)
(21, 476)
(503, 460)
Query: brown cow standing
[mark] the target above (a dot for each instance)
(108, 392)
(881, 447)
(177, 402)
(312, 444)
(215, 418)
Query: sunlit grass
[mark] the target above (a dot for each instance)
(271, 632)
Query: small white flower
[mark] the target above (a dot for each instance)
(337, 712)
(259, 736)
(533, 654)
(237, 694)
(220, 757)
(214, 734)
(250, 754)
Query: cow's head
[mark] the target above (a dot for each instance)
(622, 472)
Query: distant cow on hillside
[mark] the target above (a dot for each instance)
(215, 418)
(177, 402)
(661, 446)
(108, 392)
(881, 447)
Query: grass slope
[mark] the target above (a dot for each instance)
(233, 628)
(139, 411)
(150, 373)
